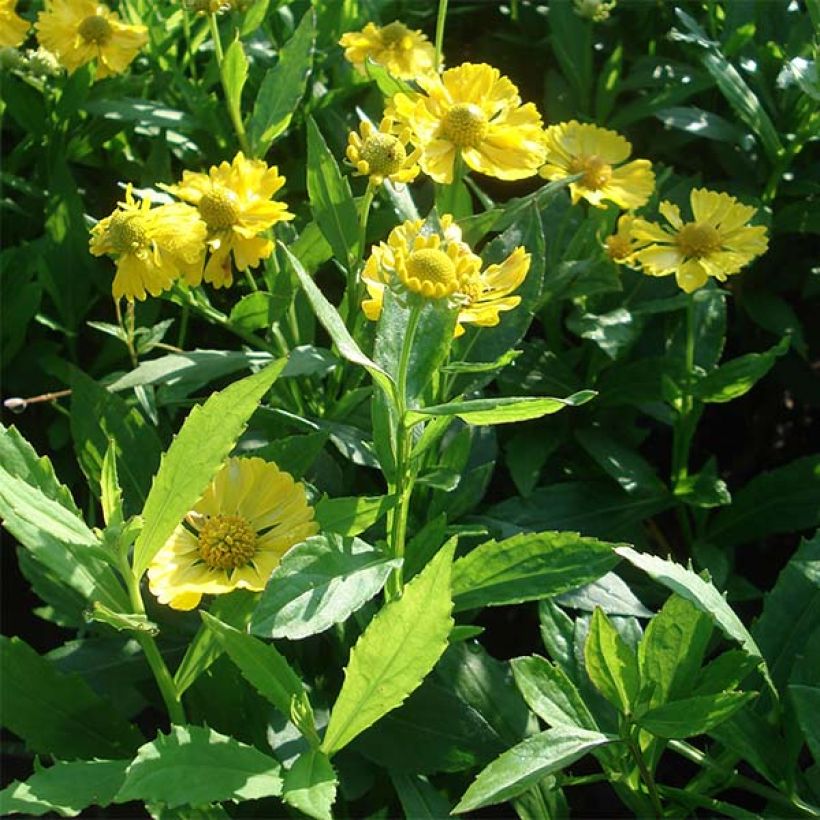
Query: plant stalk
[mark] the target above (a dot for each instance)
(233, 111)
(647, 777)
(440, 20)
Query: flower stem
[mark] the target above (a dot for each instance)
(646, 776)
(442, 16)
(404, 482)
(233, 111)
(353, 296)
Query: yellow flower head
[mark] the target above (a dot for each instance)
(250, 515)
(473, 111)
(438, 265)
(597, 153)
(405, 53)
(79, 31)
(718, 241)
(622, 244)
(13, 28)
(235, 201)
(595, 10)
(152, 246)
(380, 154)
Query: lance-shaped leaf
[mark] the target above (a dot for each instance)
(196, 453)
(611, 664)
(528, 567)
(693, 716)
(394, 654)
(525, 764)
(234, 74)
(310, 785)
(351, 516)
(192, 765)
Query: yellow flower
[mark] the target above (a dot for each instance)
(405, 53)
(235, 201)
(718, 242)
(152, 246)
(473, 111)
(250, 515)
(595, 10)
(79, 31)
(439, 265)
(622, 244)
(381, 155)
(13, 28)
(580, 148)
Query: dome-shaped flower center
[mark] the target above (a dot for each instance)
(127, 233)
(596, 172)
(383, 153)
(618, 246)
(219, 208)
(471, 287)
(226, 542)
(431, 273)
(697, 240)
(465, 124)
(96, 29)
(395, 34)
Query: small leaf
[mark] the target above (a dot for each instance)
(310, 785)
(611, 664)
(192, 765)
(196, 453)
(527, 763)
(351, 516)
(502, 410)
(387, 83)
(394, 654)
(110, 492)
(693, 716)
(258, 311)
(319, 583)
(418, 798)
(528, 567)
(234, 74)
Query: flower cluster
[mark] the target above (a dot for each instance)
(223, 212)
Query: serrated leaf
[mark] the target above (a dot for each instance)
(395, 653)
(65, 788)
(527, 763)
(58, 714)
(693, 716)
(192, 765)
(319, 583)
(352, 516)
(611, 663)
(310, 785)
(283, 87)
(196, 453)
(502, 410)
(528, 567)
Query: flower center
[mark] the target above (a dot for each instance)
(384, 154)
(219, 208)
(697, 240)
(96, 29)
(431, 273)
(227, 541)
(596, 172)
(618, 246)
(471, 287)
(465, 124)
(394, 34)
(126, 233)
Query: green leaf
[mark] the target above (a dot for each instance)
(702, 594)
(700, 123)
(527, 763)
(672, 649)
(196, 453)
(98, 417)
(804, 689)
(502, 410)
(737, 377)
(387, 83)
(110, 490)
(310, 785)
(258, 311)
(704, 489)
(394, 654)
(283, 87)
(58, 714)
(319, 583)
(551, 694)
(791, 612)
(132, 622)
(333, 324)
(693, 716)
(351, 516)
(611, 664)
(60, 540)
(260, 663)
(234, 74)
(192, 765)
(330, 199)
(528, 567)
(294, 454)
(418, 798)
(783, 500)
(65, 788)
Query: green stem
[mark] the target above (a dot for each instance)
(440, 19)
(354, 287)
(127, 329)
(233, 111)
(682, 432)
(646, 776)
(404, 482)
(188, 59)
(165, 682)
